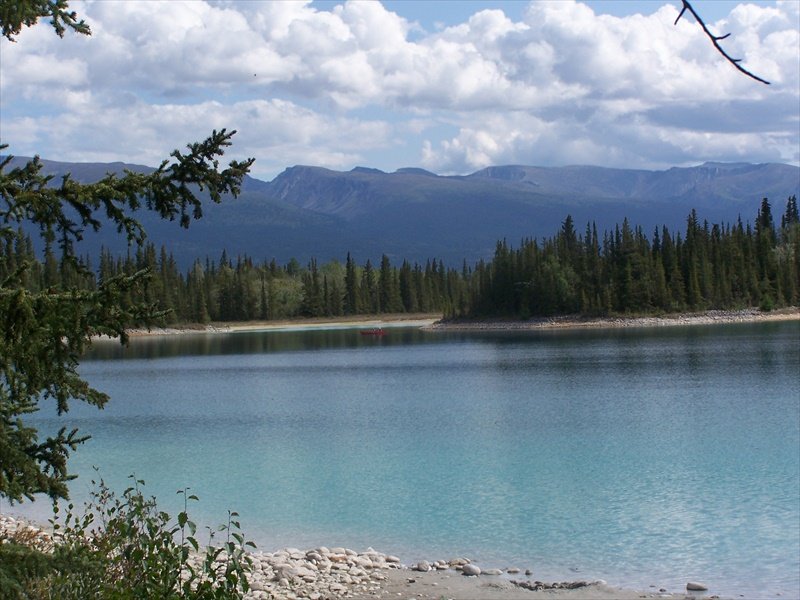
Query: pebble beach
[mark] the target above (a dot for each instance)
(324, 573)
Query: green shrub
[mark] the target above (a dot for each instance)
(124, 548)
(20, 565)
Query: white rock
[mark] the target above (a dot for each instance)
(363, 562)
(283, 566)
(470, 569)
(492, 572)
(304, 572)
(392, 559)
(694, 586)
(324, 565)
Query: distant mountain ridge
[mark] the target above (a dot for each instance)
(411, 213)
(708, 181)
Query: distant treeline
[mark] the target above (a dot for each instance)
(623, 272)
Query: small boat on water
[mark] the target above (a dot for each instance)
(375, 331)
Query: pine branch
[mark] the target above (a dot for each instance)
(715, 39)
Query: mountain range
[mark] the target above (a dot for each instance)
(411, 213)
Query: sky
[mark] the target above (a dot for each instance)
(448, 86)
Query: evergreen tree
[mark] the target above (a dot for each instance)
(44, 332)
(263, 310)
(352, 296)
(406, 284)
(313, 298)
(388, 288)
(790, 217)
(369, 301)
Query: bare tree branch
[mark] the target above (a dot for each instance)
(715, 39)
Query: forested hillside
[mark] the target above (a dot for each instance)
(622, 271)
(625, 271)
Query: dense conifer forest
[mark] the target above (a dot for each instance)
(624, 271)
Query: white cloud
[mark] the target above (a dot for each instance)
(562, 85)
(277, 132)
(622, 73)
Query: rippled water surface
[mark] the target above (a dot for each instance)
(642, 457)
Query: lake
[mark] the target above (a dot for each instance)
(643, 457)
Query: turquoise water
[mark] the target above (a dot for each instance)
(643, 457)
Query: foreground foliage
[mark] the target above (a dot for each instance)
(44, 330)
(124, 547)
(121, 547)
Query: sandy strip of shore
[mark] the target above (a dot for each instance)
(365, 322)
(434, 322)
(452, 585)
(713, 317)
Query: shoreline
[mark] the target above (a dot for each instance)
(434, 323)
(365, 321)
(330, 573)
(712, 317)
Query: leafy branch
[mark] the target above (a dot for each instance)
(716, 39)
(45, 328)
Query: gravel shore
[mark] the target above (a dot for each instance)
(337, 573)
(712, 317)
(430, 322)
(366, 322)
